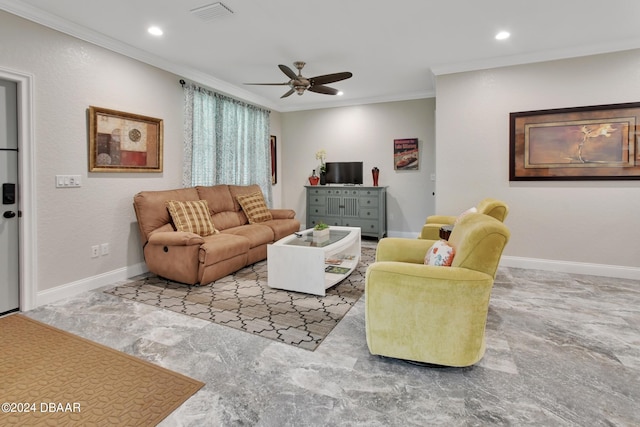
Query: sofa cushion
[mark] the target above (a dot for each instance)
(191, 216)
(218, 197)
(241, 190)
(151, 211)
(257, 234)
(440, 254)
(254, 207)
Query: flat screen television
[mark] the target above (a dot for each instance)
(344, 173)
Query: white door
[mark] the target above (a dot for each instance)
(9, 230)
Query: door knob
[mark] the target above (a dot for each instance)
(9, 214)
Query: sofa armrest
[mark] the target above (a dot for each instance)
(441, 219)
(403, 250)
(175, 238)
(283, 213)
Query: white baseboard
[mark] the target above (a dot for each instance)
(71, 289)
(617, 271)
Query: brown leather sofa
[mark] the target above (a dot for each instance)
(192, 259)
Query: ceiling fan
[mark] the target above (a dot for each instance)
(299, 83)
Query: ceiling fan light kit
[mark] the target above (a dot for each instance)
(299, 84)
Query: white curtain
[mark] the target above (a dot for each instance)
(226, 141)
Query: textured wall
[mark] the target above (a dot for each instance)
(69, 76)
(585, 222)
(365, 133)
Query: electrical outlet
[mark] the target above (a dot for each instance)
(95, 251)
(104, 249)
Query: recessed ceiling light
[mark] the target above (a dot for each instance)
(503, 35)
(340, 93)
(156, 31)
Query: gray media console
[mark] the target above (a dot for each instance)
(349, 206)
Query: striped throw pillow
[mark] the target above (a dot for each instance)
(192, 217)
(254, 207)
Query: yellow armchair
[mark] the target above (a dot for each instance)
(492, 207)
(434, 314)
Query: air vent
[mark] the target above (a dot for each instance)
(212, 11)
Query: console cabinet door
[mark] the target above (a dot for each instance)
(348, 207)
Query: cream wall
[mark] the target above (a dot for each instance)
(576, 226)
(364, 133)
(69, 75)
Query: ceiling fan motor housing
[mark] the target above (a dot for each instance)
(299, 84)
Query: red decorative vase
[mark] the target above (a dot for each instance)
(313, 179)
(375, 172)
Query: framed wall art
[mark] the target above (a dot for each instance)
(124, 142)
(405, 154)
(584, 143)
(274, 164)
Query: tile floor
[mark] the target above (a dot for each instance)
(562, 350)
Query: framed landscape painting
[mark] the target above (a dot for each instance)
(584, 143)
(124, 142)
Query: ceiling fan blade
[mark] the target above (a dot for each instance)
(267, 84)
(323, 89)
(288, 71)
(288, 93)
(330, 78)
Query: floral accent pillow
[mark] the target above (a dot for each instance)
(440, 254)
(462, 215)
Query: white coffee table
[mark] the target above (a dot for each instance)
(300, 263)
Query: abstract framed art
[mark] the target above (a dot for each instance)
(584, 143)
(124, 142)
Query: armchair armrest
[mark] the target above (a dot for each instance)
(175, 238)
(403, 250)
(282, 213)
(441, 219)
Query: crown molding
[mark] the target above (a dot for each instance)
(359, 101)
(80, 32)
(55, 22)
(540, 56)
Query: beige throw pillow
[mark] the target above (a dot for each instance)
(192, 217)
(254, 207)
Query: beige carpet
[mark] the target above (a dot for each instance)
(49, 377)
(244, 301)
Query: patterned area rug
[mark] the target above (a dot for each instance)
(53, 378)
(244, 301)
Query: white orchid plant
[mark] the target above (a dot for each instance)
(321, 155)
